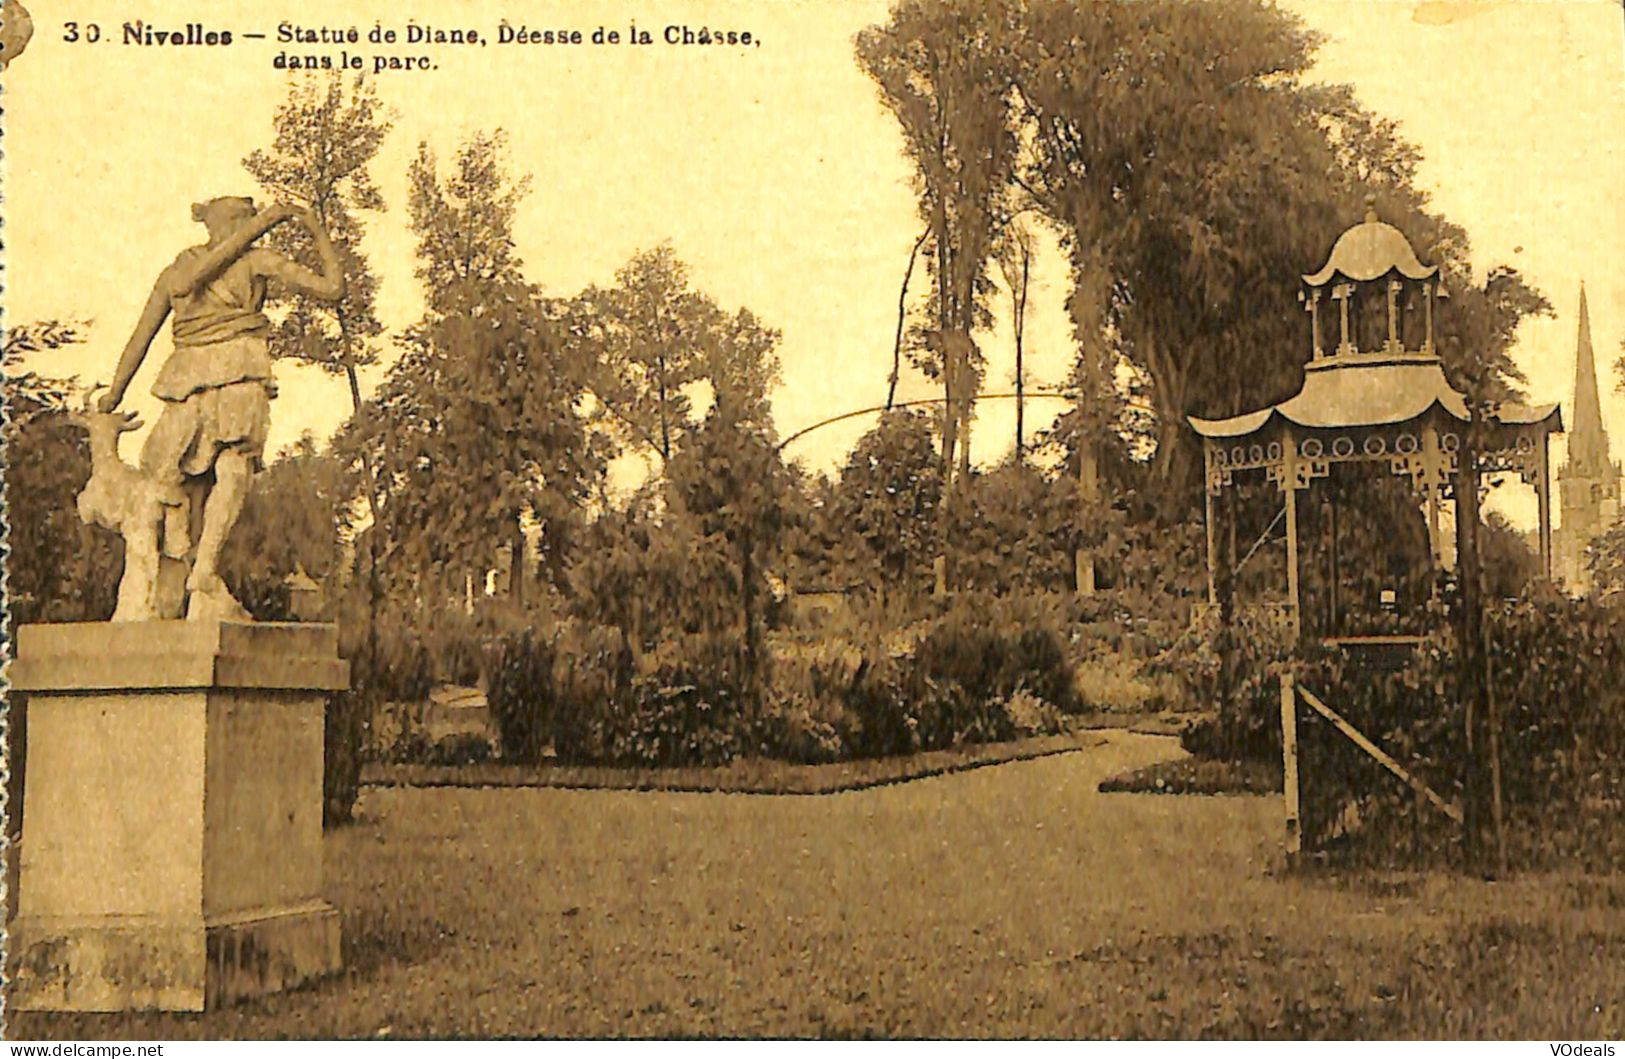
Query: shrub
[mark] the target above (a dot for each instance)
(411, 745)
(523, 694)
(1116, 683)
(1233, 672)
(695, 699)
(804, 716)
(580, 690)
(1031, 715)
(879, 702)
(593, 670)
(802, 730)
(571, 689)
(989, 648)
(394, 666)
(688, 707)
(949, 714)
(343, 738)
(958, 685)
(417, 747)
(391, 666)
(460, 748)
(1554, 666)
(673, 722)
(460, 660)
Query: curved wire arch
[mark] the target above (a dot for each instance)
(921, 402)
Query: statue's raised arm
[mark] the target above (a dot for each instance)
(328, 284)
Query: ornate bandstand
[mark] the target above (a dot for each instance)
(1374, 393)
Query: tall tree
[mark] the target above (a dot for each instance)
(1478, 330)
(1193, 173)
(464, 222)
(1015, 257)
(731, 496)
(902, 321)
(886, 503)
(326, 136)
(940, 69)
(478, 423)
(741, 364)
(646, 330)
(653, 337)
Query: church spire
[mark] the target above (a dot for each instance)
(1588, 439)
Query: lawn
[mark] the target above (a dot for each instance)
(1013, 900)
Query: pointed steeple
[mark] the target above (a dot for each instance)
(1588, 439)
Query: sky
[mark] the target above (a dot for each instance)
(773, 170)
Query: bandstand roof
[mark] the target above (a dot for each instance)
(1366, 390)
(1385, 387)
(1370, 251)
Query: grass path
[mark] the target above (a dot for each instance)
(1007, 901)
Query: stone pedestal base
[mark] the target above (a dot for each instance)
(172, 814)
(127, 964)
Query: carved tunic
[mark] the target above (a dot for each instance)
(217, 384)
(219, 331)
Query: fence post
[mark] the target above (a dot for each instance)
(1289, 765)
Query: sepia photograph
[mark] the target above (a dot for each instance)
(900, 520)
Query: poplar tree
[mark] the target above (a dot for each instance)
(325, 135)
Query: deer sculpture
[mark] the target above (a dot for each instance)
(120, 498)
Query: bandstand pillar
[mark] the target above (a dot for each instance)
(1543, 494)
(1212, 537)
(1289, 483)
(1433, 479)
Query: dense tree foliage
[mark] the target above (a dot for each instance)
(296, 515)
(883, 507)
(478, 424)
(58, 568)
(652, 340)
(1605, 561)
(1189, 167)
(326, 135)
(730, 495)
(692, 552)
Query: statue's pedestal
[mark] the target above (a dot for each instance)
(172, 814)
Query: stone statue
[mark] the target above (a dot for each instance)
(209, 440)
